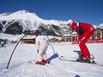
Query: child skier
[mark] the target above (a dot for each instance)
(42, 45)
(84, 31)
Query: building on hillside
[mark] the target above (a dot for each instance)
(99, 32)
(28, 39)
(97, 37)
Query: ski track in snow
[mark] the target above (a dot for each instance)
(20, 67)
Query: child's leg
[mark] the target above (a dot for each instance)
(44, 53)
(39, 56)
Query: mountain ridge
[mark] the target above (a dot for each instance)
(28, 21)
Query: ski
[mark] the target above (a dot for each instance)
(33, 62)
(91, 62)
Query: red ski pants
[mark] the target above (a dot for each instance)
(82, 45)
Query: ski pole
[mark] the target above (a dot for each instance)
(51, 45)
(14, 51)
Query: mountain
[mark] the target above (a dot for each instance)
(22, 21)
(100, 26)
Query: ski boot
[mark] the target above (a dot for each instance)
(40, 62)
(83, 59)
(45, 61)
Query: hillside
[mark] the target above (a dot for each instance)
(19, 66)
(21, 21)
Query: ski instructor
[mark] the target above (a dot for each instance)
(84, 32)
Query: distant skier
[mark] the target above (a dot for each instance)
(42, 45)
(84, 31)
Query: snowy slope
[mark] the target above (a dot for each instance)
(100, 26)
(29, 21)
(20, 67)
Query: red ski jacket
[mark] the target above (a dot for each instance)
(82, 28)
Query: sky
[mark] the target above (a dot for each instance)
(90, 11)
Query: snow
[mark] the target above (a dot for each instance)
(19, 66)
(28, 20)
(31, 21)
(101, 24)
(10, 37)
